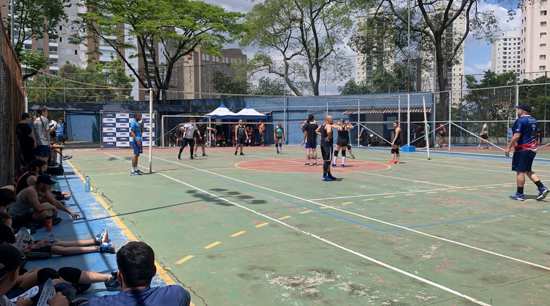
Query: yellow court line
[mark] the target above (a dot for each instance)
(184, 259)
(370, 199)
(237, 234)
(262, 224)
(389, 197)
(166, 278)
(431, 192)
(347, 203)
(323, 207)
(212, 245)
(285, 217)
(409, 195)
(307, 211)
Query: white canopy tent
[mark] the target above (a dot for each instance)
(250, 113)
(222, 112)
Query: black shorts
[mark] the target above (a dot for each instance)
(311, 144)
(343, 143)
(327, 149)
(484, 136)
(241, 140)
(186, 141)
(522, 161)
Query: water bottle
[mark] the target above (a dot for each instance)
(87, 184)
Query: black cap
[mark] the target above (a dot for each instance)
(524, 107)
(10, 259)
(45, 179)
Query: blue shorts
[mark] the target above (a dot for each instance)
(42, 151)
(311, 145)
(522, 161)
(138, 149)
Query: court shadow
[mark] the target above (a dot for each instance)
(112, 158)
(209, 199)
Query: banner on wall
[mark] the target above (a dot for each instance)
(115, 129)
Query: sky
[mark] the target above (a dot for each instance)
(477, 54)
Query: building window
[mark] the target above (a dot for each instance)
(543, 34)
(542, 57)
(543, 23)
(75, 52)
(542, 68)
(544, 13)
(542, 45)
(60, 39)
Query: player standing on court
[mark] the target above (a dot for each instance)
(396, 143)
(342, 143)
(135, 142)
(310, 137)
(188, 138)
(279, 135)
(524, 142)
(240, 137)
(327, 147)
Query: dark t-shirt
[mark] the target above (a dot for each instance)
(527, 127)
(172, 295)
(24, 132)
(310, 129)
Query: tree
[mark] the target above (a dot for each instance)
(224, 83)
(435, 24)
(34, 19)
(489, 104)
(305, 34)
(100, 82)
(164, 30)
(270, 87)
(353, 88)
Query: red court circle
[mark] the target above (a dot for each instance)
(282, 165)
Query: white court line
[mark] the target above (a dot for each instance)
(492, 186)
(407, 179)
(334, 244)
(366, 217)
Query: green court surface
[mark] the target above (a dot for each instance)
(262, 229)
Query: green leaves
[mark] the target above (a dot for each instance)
(165, 31)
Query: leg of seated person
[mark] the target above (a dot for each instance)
(74, 250)
(76, 243)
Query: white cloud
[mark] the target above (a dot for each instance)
(506, 22)
(234, 5)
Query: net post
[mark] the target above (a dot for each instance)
(151, 130)
(434, 115)
(285, 119)
(358, 121)
(162, 131)
(399, 109)
(408, 119)
(426, 129)
(450, 120)
(26, 104)
(517, 98)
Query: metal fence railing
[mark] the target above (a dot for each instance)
(11, 106)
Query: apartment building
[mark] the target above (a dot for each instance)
(506, 53)
(535, 38)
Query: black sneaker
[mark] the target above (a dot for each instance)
(242, 153)
(235, 152)
(543, 192)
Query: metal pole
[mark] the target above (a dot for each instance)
(426, 129)
(151, 130)
(399, 109)
(434, 115)
(358, 122)
(408, 119)
(26, 104)
(286, 119)
(327, 108)
(162, 131)
(450, 119)
(517, 98)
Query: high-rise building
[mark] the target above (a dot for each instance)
(194, 73)
(378, 44)
(535, 38)
(506, 53)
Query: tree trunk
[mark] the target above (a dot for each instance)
(442, 77)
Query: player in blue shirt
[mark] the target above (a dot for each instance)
(524, 142)
(135, 142)
(136, 265)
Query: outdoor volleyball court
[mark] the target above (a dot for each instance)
(263, 229)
